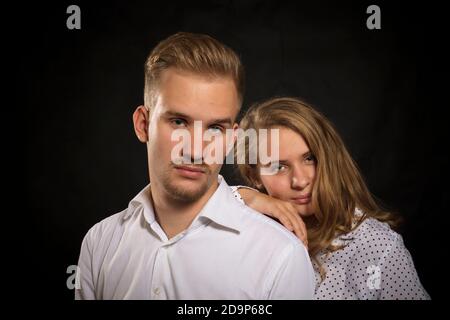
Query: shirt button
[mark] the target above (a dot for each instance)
(156, 291)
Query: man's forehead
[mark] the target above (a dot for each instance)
(182, 91)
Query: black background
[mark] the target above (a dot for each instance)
(77, 89)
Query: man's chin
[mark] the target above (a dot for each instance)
(186, 190)
(189, 182)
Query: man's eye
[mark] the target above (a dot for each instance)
(178, 122)
(216, 129)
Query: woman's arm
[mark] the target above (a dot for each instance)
(399, 276)
(283, 211)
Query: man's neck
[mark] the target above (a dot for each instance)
(176, 216)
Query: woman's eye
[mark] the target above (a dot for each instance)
(310, 159)
(278, 167)
(272, 169)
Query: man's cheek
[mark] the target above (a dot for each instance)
(165, 140)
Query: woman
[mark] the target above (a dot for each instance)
(355, 252)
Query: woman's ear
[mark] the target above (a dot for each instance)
(256, 181)
(141, 121)
(260, 186)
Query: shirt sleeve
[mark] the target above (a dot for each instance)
(86, 289)
(236, 193)
(293, 275)
(399, 279)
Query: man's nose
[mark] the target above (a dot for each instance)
(197, 143)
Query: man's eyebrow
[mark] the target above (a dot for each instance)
(177, 114)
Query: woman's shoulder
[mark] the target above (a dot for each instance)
(372, 233)
(374, 257)
(374, 230)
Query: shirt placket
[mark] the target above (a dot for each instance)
(157, 292)
(161, 268)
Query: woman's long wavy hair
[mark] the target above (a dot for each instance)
(339, 187)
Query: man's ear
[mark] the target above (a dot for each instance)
(141, 121)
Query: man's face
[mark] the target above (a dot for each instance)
(183, 98)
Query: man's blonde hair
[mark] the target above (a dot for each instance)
(196, 53)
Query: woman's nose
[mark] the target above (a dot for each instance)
(299, 179)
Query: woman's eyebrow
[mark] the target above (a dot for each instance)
(307, 153)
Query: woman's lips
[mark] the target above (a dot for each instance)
(304, 199)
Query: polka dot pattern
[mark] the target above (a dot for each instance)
(374, 264)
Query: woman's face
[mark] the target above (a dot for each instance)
(293, 178)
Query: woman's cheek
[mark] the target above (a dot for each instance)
(275, 186)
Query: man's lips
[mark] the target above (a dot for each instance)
(191, 168)
(303, 199)
(190, 171)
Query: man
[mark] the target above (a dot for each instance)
(185, 236)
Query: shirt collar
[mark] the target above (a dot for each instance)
(222, 208)
(345, 238)
(142, 200)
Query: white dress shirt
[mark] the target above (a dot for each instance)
(228, 252)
